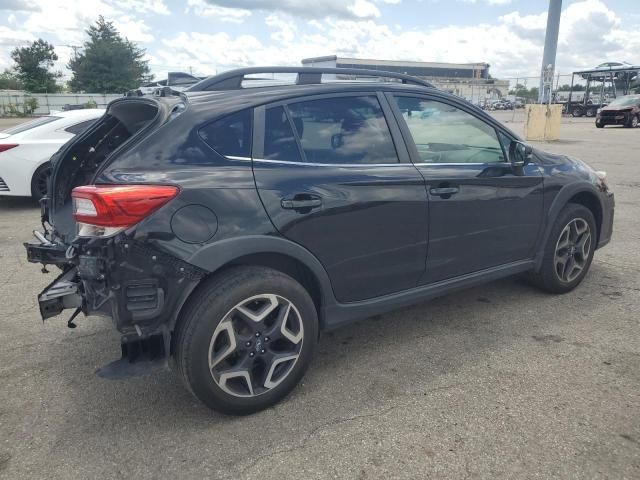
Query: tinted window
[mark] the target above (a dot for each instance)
(23, 127)
(445, 134)
(79, 127)
(231, 135)
(279, 141)
(343, 130)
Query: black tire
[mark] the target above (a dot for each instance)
(599, 124)
(202, 318)
(591, 112)
(633, 122)
(40, 180)
(577, 112)
(548, 278)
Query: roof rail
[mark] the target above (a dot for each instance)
(232, 80)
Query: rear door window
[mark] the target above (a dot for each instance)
(279, 141)
(231, 135)
(343, 130)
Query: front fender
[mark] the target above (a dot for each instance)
(561, 199)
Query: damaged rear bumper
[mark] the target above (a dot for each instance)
(139, 287)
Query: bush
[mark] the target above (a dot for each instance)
(91, 104)
(30, 105)
(10, 109)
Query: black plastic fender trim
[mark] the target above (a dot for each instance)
(559, 202)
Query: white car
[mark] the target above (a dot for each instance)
(25, 150)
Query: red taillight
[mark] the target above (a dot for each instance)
(7, 146)
(118, 205)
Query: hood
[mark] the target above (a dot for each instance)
(614, 108)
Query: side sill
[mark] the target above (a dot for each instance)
(340, 314)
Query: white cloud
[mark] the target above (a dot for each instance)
(317, 9)
(590, 33)
(18, 5)
(215, 12)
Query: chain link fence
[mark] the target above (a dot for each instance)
(17, 103)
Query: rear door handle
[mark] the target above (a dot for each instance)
(301, 202)
(444, 191)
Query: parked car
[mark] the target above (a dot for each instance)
(25, 150)
(621, 111)
(178, 81)
(226, 228)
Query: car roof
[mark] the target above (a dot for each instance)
(256, 95)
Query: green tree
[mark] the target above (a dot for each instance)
(9, 81)
(109, 63)
(33, 64)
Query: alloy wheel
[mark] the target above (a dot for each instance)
(572, 250)
(256, 345)
(634, 122)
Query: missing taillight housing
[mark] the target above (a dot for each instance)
(103, 210)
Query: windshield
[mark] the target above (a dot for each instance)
(625, 101)
(23, 127)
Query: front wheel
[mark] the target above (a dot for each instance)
(569, 250)
(633, 122)
(246, 339)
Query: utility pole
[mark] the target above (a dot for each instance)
(75, 49)
(550, 48)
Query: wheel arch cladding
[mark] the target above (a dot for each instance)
(271, 252)
(581, 193)
(591, 201)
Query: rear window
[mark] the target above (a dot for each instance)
(23, 127)
(79, 127)
(230, 136)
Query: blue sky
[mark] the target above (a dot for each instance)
(213, 35)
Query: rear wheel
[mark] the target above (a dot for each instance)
(40, 181)
(246, 339)
(569, 250)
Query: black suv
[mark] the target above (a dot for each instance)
(222, 229)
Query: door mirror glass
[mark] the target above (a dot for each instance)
(519, 153)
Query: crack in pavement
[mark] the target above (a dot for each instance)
(340, 421)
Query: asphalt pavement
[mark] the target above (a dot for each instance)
(498, 381)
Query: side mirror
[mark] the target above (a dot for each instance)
(519, 153)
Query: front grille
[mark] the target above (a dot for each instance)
(610, 114)
(3, 186)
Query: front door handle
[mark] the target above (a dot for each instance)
(444, 191)
(301, 202)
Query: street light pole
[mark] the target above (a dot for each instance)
(550, 48)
